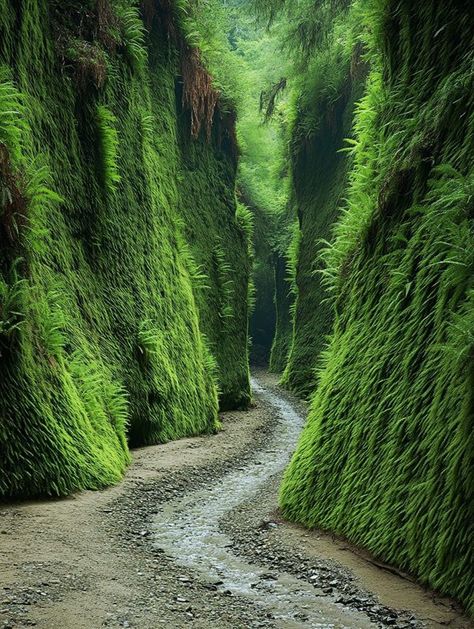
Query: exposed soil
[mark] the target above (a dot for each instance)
(103, 559)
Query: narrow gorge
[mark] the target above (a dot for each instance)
(236, 313)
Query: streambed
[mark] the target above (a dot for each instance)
(187, 529)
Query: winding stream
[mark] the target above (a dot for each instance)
(187, 529)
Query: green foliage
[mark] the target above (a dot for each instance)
(205, 25)
(51, 322)
(245, 220)
(219, 252)
(133, 36)
(108, 143)
(12, 304)
(12, 121)
(323, 118)
(284, 302)
(101, 302)
(262, 168)
(386, 458)
(150, 340)
(225, 282)
(42, 199)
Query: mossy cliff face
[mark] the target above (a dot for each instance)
(386, 458)
(320, 174)
(263, 318)
(100, 300)
(284, 308)
(219, 239)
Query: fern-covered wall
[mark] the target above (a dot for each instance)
(219, 238)
(320, 175)
(284, 300)
(263, 316)
(102, 203)
(387, 456)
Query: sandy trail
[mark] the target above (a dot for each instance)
(113, 558)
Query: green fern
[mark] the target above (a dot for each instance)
(133, 36)
(13, 301)
(109, 147)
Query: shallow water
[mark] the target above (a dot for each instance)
(187, 529)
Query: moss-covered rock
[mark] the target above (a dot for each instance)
(320, 171)
(386, 457)
(101, 303)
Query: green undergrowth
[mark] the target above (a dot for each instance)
(102, 304)
(387, 456)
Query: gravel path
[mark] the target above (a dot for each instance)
(104, 559)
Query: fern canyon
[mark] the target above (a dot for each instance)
(236, 314)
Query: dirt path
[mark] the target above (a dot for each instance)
(113, 558)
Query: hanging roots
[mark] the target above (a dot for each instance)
(90, 64)
(165, 13)
(199, 95)
(107, 22)
(148, 10)
(268, 98)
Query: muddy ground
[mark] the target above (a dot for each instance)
(93, 560)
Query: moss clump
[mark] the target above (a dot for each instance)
(100, 339)
(387, 455)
